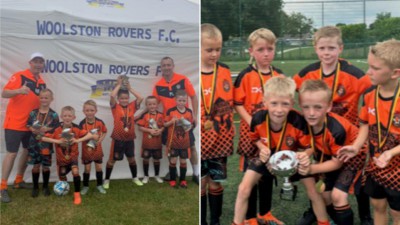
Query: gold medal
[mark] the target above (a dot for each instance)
(126, 129)
(208, 125)
(320, 186)
(149, 136)
(67, 157)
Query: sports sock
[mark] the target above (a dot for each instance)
(108, 171)
(364, 210)
(203, 208)
(146, 168)
(252, 204)
(3, 184)
(46, 177)
(182, 170)
(19, 178)
(86, 179)
(344, 215)
(133, 169)
(77, 183)
(265, 186)
(157, 168)
(99, 177)
(172, 171)
(215, 198)
(331, 212)
(35, 179)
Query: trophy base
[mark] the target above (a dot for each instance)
(288, 194)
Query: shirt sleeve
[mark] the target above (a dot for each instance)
(189, 88)
(14, 82)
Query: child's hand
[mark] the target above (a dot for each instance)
(383, 160)
(95, 137)
(74, 141)
(153, 132)
(265, 153)
(347, 152)
(304, 163)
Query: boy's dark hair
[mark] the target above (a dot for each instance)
(167, 58)
(122, 91)
(150, 97)
(181, 93)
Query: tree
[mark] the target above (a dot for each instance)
(354, 32)
(297, 25)
(385, 27)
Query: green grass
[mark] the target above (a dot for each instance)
(124, 203)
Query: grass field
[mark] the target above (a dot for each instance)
(287, 211)
(124, 203)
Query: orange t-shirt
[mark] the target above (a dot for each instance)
(151, 142)
(249, 93)
(388, 176)
(178, 138)
(124, 129)
(20, 106)
(351, 84)
(218, 141)
(165, 91)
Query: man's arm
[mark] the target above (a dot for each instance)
(195, 106)
(243, 113)
(6, 93)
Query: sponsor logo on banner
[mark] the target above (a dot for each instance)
(103, 88)
(106, 3)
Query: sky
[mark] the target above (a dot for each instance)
(342, 11)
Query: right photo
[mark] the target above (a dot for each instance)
(300, 112)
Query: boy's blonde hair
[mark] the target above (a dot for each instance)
(280, 86)
(388, 51)
(180, 93)
(46, 90)
(68, 108)
(263, 33)
(149, 98)
(209, 30)
(328, 32)
(90, 102)
(314, 86)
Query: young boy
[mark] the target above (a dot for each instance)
(347, 83)
(217, 128)
(179, 120)
(41, 120)
(272, 130)
(123, 134)
(67, 151)
(248, 99)
(90, 154)
(379, 119)
(151, 123)
(329, 133)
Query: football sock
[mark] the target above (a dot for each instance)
(323, 222)
(86, 179)
(19, 178)
(182, 170)
(77, 183)
(35, 179)
(157, 168)
(108, 171)
(215, 197)
(203, 208)
(99, 177)
(252, 204)
(364, 211)
(3, 184)
(146, 168)
(133, 169)
(265, 186)
(46, 177)
(344, 215)
(172, 171)
(331, 212)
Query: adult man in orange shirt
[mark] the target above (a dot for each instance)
(23, 90)
(164, 90)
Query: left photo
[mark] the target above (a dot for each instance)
(99, 112)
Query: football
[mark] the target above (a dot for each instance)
(61, 188)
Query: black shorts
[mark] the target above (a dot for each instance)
(86, 161)
(64, 170)
(191, 137)
(164, 136)
(377, 191)
(121, 148)
(345, 179)
(181, 153)
(155, 153)
(14, 138)
(215, 168)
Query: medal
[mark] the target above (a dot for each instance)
(126, 129)
(149, 136)
(67, 157)
(208, 125)
(320, 185)
(208, 106)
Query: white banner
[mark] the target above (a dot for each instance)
(88, 43)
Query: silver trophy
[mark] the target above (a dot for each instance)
(37, 126)
(125, 82)
(92, 143)
(153, 125)
(284, 164)
(185, 124)
(67, 135)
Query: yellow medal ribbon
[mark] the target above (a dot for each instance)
(391, 115)
(279, 145)
(261, 76)
(208, 107)
(335, 81)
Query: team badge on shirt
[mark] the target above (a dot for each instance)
(340, 90)
(226, 85)
(289, 141)
(396, 120)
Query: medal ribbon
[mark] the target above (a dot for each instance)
(209, 107)
(335, 79)
(45, 117)
(126, 115)
(323, 140)
(261, 76)
(278, 147)
(391, 115)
